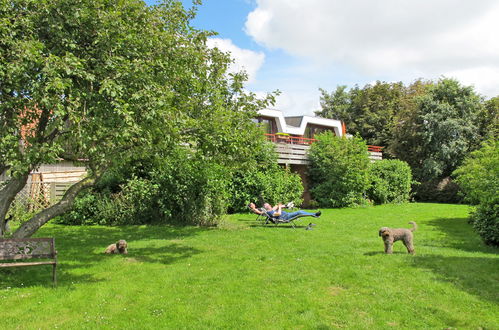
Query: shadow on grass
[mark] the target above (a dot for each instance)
(246, 220)
(77, 248)
(164, 255)
(25, 277)
(375, 253)
(459, 235)
(477, 276)
(282, 226)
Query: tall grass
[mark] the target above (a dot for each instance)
(243, 275)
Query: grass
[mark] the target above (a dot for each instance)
(243, 275)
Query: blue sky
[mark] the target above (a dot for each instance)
(297, 46)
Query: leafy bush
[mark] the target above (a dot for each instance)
(444, 190)
(85, 210)
(478, 177)
(193, 191)
(485, 221)
(339, 170)
(390, 181)
(272, 185)
(135, 203)
(263, 180)
(180, 189)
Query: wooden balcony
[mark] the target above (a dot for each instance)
(292, 154)
(375, 153)
(288, 139)
(292, 150)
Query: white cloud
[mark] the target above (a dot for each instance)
(484, 79)
(393, 39)
(244, 59)
(298, 102)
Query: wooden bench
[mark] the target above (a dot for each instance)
(18, 250)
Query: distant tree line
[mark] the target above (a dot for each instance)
(432, 125)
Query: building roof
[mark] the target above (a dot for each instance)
(296, 125)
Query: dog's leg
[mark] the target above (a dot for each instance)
(408, 244)
(388, 246)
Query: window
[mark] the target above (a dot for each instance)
(267, 125)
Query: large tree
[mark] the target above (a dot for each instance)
(96, 81)
(489, 119)
(368, 111)
(439, 129)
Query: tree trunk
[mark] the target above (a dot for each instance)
(7, 195)
(31, 226)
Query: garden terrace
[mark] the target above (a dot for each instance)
(293, 149)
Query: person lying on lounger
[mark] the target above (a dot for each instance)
(277, 212)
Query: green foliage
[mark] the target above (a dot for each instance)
(336, 105)
(478, 176)
(479, 179)
(390, 181)
(339, 170)
(178, 190)
(440, 130)
(485, 221)
(21, 211)
(192, 191)
(444, 190)
(134, 203)
(272, 185)
(447, 114)
(111, 81)
(430, 125)
(85, 210)
(488, 119)
(368, 111)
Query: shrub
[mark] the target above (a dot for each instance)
(444, 190)
(193, 191)
(135, 203)
(272, 185)
(477, 176)
(84, 210)
(485, 221)
(478, 179)
(390, 181)
(180, 189)
(339, 170)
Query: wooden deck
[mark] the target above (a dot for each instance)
(292, 154)
(292, 150)
(297, 154)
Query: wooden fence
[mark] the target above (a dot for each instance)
(45, 189)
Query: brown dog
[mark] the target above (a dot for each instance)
(391, 235)
(119, 247)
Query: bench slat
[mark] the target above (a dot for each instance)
(16, 249)
(27, 248)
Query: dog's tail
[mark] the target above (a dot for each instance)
(414, 226)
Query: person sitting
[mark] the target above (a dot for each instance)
(276, 212)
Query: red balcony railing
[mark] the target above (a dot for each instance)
(374, 148)
(288, 139)
(281, 138)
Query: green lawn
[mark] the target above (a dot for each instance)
(243, 275)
